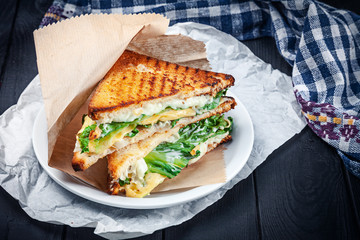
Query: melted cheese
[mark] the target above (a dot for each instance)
(87, 122)
(152, 180)
(136, 171)
(108, 143)
(121, 134)
(131, 155)
(164, 117)
(140, 170)
(169, 115)
(153, 107)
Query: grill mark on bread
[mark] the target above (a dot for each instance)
(162, 84)
(152, 83)
(140, 89)
(124, 79)
(179, 82)
(191, 86)
(173, 89)
(128, 87)
(157, 65)
(163, 79)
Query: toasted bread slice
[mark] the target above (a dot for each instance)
(82, 161)
(122, 159)
(136, 79)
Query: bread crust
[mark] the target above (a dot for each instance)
(135, 79)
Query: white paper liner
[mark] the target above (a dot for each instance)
(266, 93)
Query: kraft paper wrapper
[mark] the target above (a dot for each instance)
(70, 69)
(74, 54)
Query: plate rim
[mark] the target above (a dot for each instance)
(146, 204)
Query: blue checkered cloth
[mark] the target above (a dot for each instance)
(320, 42)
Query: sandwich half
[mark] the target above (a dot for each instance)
(141, 97)
(140, 167)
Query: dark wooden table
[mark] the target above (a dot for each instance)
(301, 191)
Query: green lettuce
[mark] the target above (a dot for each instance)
(106, 129)
(123, 183)
(132, 133)
(169, 158)
(216, 101)
(109, 130)
(84, 138)
(105, 141)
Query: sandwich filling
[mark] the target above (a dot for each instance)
(197, 103)
(95, 137)
(167, 160)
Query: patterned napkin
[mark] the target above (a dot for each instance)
(320, 42)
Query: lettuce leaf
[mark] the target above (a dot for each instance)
(132, 133)
(106, 131)
(109, 129)
(169, 158)
(123, 183)
(215, 101)
(84, 138)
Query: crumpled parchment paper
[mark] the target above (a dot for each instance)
(266, 93)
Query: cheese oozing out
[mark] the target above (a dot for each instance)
(156, 120)
(137, 176)
(136, 170)
(169, 115)
(159, 121)
(151, 108)
(143, 183)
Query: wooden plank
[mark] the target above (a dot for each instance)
(16, 224)
(7, 17)
(20, 64)
(88, 233)
(158, 235)
(232, 217)
(17, 59)
(354, 194)
(302, 192)
(80, 233)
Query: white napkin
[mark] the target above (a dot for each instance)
(266, 93)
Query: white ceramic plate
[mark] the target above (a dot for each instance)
(236, 155)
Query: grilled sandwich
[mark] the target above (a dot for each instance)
(143, 105)
(139, 96)
(139, 168)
